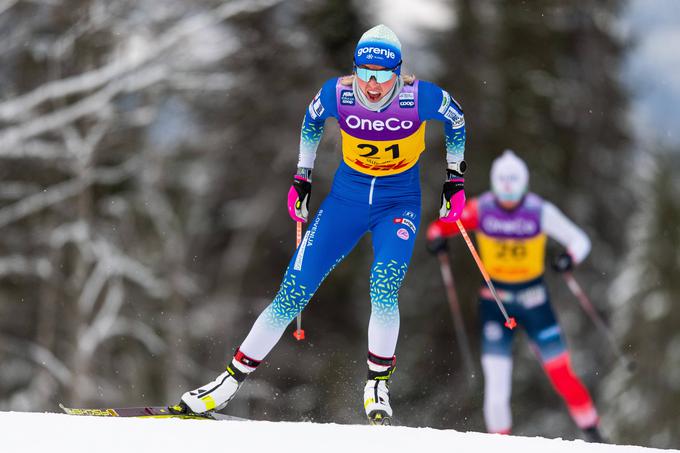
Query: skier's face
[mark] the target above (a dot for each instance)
(508, 205)
(373, 90)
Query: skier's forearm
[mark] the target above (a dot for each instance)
(310, 137)
(453, 193)
(455, 143)
(557, 226)
(323, 106)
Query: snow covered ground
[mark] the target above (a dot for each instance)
(37, 432)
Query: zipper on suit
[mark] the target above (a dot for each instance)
(370, 194)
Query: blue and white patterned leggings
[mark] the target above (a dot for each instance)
(335, 230)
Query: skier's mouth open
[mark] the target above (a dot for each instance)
(374, 95)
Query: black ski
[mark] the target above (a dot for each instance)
(146, 412)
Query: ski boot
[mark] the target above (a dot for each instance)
(376, 391)
(216, 395)
(593, 435)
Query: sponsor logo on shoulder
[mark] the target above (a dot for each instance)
(457, 120)
(315, 107)
(446, 101)
(347, 97)
(407, 100)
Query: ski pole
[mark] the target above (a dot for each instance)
(461, 336)
(588, 307)
(510, 322)
(299, 333)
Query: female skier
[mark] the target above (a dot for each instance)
(382, 116)
(512, 226)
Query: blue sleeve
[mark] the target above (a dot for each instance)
(324, 105)
(436, 104)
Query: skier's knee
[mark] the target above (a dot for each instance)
(565, 381)
(386, 279)
(290, 300)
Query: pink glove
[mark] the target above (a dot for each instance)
(453, 200)
(298, 198)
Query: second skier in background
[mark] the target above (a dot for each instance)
(512, 226)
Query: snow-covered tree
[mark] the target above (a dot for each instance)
(643, 300)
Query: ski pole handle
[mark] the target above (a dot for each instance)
(510, 322)
(299, 333)
(588, 307)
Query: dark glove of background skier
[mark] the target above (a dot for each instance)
(562, 262)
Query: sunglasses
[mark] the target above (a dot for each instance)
(381, 75)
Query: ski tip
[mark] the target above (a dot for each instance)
(511, 323)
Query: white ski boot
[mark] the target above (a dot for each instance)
(216, 394)
(377, 392)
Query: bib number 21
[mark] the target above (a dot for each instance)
(373, 150)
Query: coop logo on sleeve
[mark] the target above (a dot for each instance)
(407, 100)
(407, 104)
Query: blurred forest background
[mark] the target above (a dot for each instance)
(146, 149)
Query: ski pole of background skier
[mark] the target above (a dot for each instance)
(588, 307)
(510, 322)
(299, 333)
(459, 327)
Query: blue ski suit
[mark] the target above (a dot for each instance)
(376, 189)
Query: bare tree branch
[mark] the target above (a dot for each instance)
(132, 60)
(140, 331)
(7, 4)
(65, 190)
(87, 106)
(93, 287)
(20, 265)
(39, 355)
(100, 329)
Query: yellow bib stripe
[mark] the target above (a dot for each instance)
(381, 158)
(512, 260)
